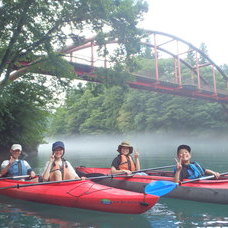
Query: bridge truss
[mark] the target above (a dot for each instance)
(189, 71)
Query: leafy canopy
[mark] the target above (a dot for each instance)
(33, 29)
(33, 34)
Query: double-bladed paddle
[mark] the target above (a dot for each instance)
(164, 187)
(158, 188)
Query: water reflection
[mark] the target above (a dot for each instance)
(166, 213)
(156, 150)
(16, 213)
(195, 214)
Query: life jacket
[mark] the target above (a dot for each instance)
(18, 168)
(195, 170)
(63, 169)
(127, 163)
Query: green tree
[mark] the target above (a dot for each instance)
(92, 110)
(132, 112)
(33, 36)
(32, 29)
(203, 48)
(23, 109)
(191, 57)
(123, 110)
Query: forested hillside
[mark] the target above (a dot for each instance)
(95, 109)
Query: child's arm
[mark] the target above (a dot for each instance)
(211, 172)
(137, 162)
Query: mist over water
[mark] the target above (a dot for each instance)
(155, 149)
(149, 141)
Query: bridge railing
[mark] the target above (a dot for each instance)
(172, 60)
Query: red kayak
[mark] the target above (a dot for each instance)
(79, 194)
(211, 191)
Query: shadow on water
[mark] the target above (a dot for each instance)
(166, 213)
(17, 213)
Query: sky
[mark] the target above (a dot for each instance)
(195, 21)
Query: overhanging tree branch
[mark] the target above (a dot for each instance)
(17, 31)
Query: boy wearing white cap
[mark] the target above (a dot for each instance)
(15, 166)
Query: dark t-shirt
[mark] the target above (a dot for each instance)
(116, 162)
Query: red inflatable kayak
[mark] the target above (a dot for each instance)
(80, 194)
(211, 191)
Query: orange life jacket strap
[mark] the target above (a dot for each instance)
(127, 163)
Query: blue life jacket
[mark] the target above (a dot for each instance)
(18, 168)
(195, 170)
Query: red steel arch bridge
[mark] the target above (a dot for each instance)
(195, 78)
(173, 67)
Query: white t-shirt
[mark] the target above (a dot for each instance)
(6, 162)
(70, 167)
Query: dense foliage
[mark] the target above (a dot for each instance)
(32, 30)
(95, 109)
(33, 33)
(23, 109)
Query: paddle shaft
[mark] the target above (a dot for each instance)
(161, 188)
(62, 181)
(162, 167)
(202, 178)
(14, 177)
(91, 178)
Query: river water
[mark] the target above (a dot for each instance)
(95, 151)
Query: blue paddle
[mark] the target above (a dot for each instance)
(160, 188)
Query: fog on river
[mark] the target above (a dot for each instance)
(155, 149)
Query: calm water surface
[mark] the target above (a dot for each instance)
(99, 152)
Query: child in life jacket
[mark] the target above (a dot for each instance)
(124, 163)
(57, 168)
(16, 166)
(185, 169)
